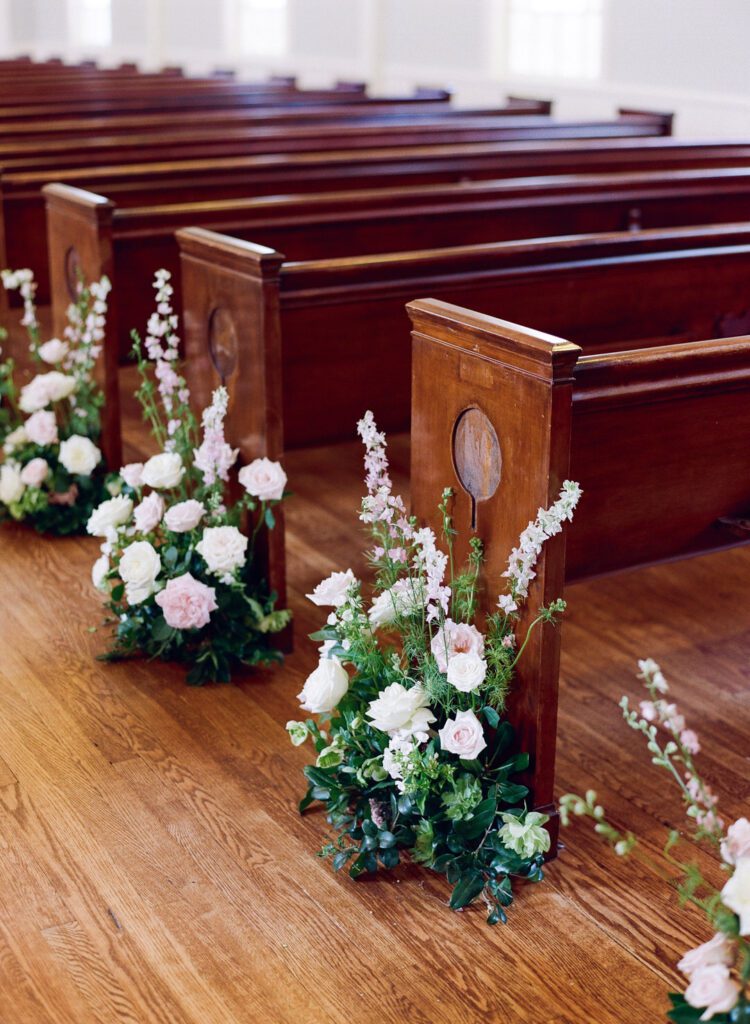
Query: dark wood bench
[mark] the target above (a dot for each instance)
(655, 433)
(127, 244)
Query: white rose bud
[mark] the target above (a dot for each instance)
(79, 455)
(222, 549)
(463, 736)
(138, 569)
(109, 515)
(324, 687)
(11, 484)
(53, 351)
(99, 572)
(332, 591)
(164, 470)
(466, 672)
(263, 479)
(147, 514)
(736, 894)
(132, 474)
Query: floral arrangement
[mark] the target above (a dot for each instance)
(718, 971)
(414, 756)
(176, 559)
(52, 473)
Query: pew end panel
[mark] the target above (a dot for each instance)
(79, 243)
(232, 336)
(4, 265)
(660, 444)
(491, 417)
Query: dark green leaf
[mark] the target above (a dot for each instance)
(468, 888)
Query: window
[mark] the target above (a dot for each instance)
(91, 22)
(263, 27)
(556, 38)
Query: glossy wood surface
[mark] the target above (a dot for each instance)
(156, 869)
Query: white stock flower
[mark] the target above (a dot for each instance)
(714, 989)
(11, 484)
(332, 591)
(99, 571)
(15, 439)
(736, 894)
(109, 515)
(263, 479)
(324, 687)
(184, 516)
(222, 548)
(138, 569)
(53, 351)
(163, 470)
(402, 710)
(41, 428)
(463, 736)
(466, 672)
(79, 455)
(34, 473)
(737, 842)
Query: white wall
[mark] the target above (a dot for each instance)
(684, 55)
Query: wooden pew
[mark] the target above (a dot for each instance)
(305, 348)
(657, 437)
(127, 244)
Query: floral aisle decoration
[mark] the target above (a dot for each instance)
(717, 973)
(52, 473)
(177, 556)
(414, 756)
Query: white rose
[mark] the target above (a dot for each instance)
(737, 843)
(324, 687)
(164, 470)
(79, 455)
(34, 473)
(14, 439)
(466, 672)
(263, 479)
(139, 567)
(736, 894)
(399, 600)
(455, 638)
(332, 591)
(11, 484)
(184, 516)
(108, 515)
(147, 514)
(46, 388)
(99, 572)
(713, 988)
(132, 474)
(41, 428)
(463, 736)
(53, 351)
(718, 950)
(400, 710)
(222, 549)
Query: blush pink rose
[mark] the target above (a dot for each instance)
(184, 516)
(132, 474)
(187, 603)
(148, 513)
(712, 989)
(456, 638)
(34, 473)
(463, 735)
(718, 950)
(41, 428)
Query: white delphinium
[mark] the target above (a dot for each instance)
(214, 458)
(23, 281)
(430, 562)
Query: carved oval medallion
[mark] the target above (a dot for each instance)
(222, 342)
(476, 454)
(72, 273)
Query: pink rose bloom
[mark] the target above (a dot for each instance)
(34, 473)
(714, 989)
(456, 638)
(737, 842)
(184, 516)
(148, 513)
(187, 603)
(41, 428)
(132, 474)
(263, 479)
(689, 740)
(718, 950)
(463, 736)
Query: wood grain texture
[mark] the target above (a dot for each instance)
(155, 869)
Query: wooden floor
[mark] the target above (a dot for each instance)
(155, 869)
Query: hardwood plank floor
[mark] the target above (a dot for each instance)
(155, 868)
